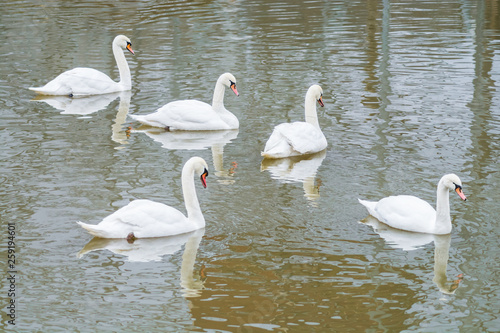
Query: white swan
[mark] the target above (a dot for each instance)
(146, 218)
(410, 213)
(193, 115)
(299, 138)
(83, 81)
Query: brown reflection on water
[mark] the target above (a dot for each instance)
(302, 291)
(372, 81)
(484, 138)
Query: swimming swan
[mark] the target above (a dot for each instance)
(146, 218)
(410, 213)
(193, 115)
(83, 81)
(298, 138)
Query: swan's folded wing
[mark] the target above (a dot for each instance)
(143, 212)
(79, 81)
(303, 137)
(192, 115)
(189, 115)
(405, 211)
(144, 218)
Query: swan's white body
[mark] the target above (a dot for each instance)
(146, 218)
(193, 115)
(83, 81)
(410, 213)
(299, 138)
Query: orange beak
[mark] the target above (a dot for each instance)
(461, 194)
(204, 178)
(129, 47)
(233, 87)
(320, 101)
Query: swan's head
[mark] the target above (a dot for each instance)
(123, 42)
(200, 167)
(454, 183)
(229, 81)
(316, 92)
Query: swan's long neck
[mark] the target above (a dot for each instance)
(121, 62)
(190, 199)
(218, 98)
(311, 114)
(443, 220)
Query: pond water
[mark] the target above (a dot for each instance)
(411, 92)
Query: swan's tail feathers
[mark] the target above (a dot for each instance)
(141, 119)
(93, 230)
(265, 154)
(277, 149)
(62, 91)
(135, 117)
(144, 119)
(269, 155)
(370, 206)
(38, 90)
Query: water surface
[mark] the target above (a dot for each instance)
(410, 91)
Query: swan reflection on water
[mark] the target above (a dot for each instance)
(409, 241)
(153, 249)
(89, 104)
(197, 140)
(79, 105)
(118, 133)
(297, 169)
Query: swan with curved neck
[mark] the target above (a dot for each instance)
(299, 138)
(146, 218)
(410, 213)
(193, 115)
(83, 81)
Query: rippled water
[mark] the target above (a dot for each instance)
(410, 91)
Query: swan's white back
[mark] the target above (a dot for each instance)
(293, 139)
(400, 212)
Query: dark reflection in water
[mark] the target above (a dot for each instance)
(410, 91)
(276, 286)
